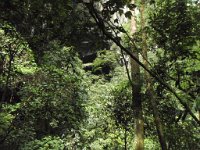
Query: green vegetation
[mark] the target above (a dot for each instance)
(99, 75)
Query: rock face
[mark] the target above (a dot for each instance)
(88, 65)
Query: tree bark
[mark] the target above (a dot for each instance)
(136, 96)
(150, 91)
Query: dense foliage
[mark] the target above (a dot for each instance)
(65, 74)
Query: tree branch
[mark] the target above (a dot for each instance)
(100, 23)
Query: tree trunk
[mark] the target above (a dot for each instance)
(149, 83)
(136, 96)
(157, 121)
(5, 89)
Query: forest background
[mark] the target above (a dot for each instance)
(99, 74)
